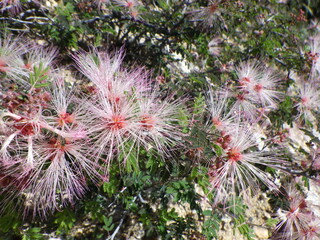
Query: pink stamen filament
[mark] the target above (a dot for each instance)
(147, 121)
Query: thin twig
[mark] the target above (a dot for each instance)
(120, 224)
(24, 22)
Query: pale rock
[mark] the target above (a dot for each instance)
(298, 137)
(260, 232)
(313, 198)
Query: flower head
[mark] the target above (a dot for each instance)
(11, 61)
(60, 173)
(220, 116)
(211, 14)
(235, 170)
(257, 90)
(296, 220)
(309, 99)
(45, 152)
(40, 57)
(107, 74)
(314, 53)
(155, 120)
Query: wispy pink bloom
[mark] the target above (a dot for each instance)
(264, 90)
(311, 232)
(60, 173)
(132, 6)
(47, 152)
(125, 112)
(68, 113)
(11, 52)
(220, 115)
(106, 72)
(211, 14)
(236, 169)
(39, 56)
(257, 90)
(111, 125)
(98, 67)
(309, 99)
(315, 52)
(249, 73)
(244, 107)
(259, 84)
(155, 119)
(297, 218)
(129, 4)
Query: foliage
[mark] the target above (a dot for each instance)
(158, 119)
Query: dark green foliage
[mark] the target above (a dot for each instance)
(170, 41)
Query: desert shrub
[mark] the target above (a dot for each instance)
(158, 119)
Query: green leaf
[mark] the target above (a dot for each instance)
(207, 213)
(218, 150)
(108, 225)
(65, 220)
(272, 222)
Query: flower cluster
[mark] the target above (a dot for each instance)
(298, 222)
(54, 138)
(126, 109)
(257, 90)
(235, 167)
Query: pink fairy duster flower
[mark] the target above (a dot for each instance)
(11, 52)
(311, 232)
(13, 179)
(297, 218)
(40, 57)
(220, 116)
(111, 125)
(60, 173)
(235, 170)
(211, 14)
(309, 99)
(155, 120)
(257, 88)
(53, 153)
(263, 90)
(131, 5)
(248, 73)
(244, 107)
(124, 112)
(67, 114)
(98, 67)
(109, 77)
(127, 3)
(21, 130)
